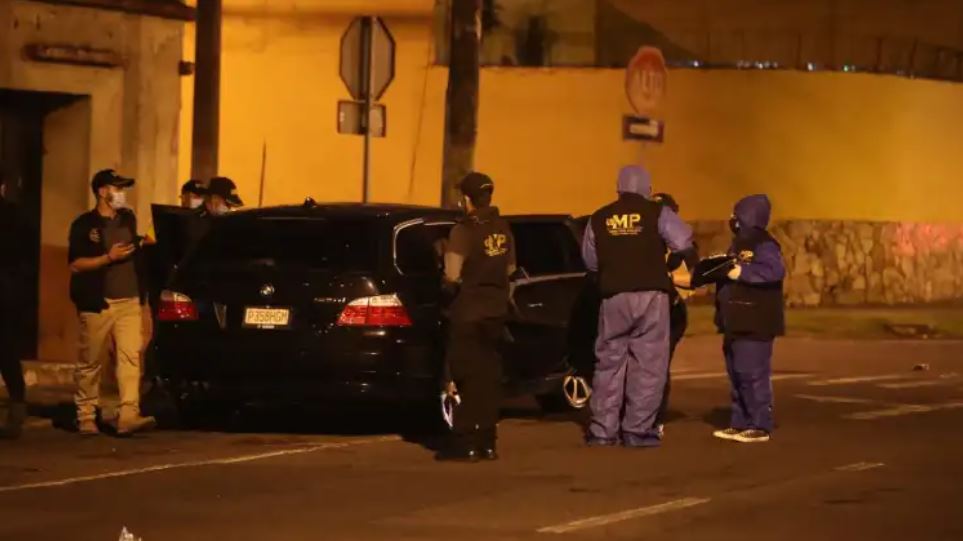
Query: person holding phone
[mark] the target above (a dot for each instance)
(108, 288)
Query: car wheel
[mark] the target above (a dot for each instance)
(573, 395)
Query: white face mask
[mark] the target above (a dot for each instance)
(195, 202)
(117, 200)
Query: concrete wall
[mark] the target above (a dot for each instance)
(824, 145)
(127, 120)
(280, 88)
(829, 31)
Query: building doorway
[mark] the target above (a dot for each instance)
(22, 118)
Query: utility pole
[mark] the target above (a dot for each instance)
(207, 90)
(461, 111)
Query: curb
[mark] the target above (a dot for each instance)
(48, 374)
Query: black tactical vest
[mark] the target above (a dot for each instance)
(631, 252)
(751, 310)
(484, 275)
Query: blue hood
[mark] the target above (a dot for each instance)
(635, 179)
(753, 212)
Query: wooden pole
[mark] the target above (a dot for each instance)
(461, 112)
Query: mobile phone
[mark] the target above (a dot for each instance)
(138, 242)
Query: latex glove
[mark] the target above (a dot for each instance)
(735, 273)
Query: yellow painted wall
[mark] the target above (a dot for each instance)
(280, 88)
(823, 145)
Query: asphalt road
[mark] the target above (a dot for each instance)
(866, 448)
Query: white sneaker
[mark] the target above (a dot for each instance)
(752, 436)
(727, 434)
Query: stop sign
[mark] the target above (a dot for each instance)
(645, 80)
(367, 47)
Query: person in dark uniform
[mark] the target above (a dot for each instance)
(750, 315)
(192, 194)
(678, 312)
(479, 259)
(12, 275)
(626, 242)
(220, 198)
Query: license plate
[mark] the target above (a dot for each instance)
(267, 318)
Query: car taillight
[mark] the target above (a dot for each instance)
(176, 306)
(380, 311)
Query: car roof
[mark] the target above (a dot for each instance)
(310, 209)
(514, 218)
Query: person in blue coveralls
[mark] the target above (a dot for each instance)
(750, 315)
(625, 242)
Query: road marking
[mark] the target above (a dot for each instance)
(861, 379)
(836, 399)
(199, 463)
(861, 466)
(909, 384)
(780, 377)
(713, 375)
(902, 409)
(699, 375)
(603, 520)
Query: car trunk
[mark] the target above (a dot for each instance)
(272, 289)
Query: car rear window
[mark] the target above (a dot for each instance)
(546, 248)
(311, 244)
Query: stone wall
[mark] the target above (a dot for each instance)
(849, 262)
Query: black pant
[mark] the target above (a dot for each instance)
(476, 368)
(10, 353)
(678, 321)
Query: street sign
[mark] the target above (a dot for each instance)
(645, 80)
(367, 47)
(642, 129)
(367, 68)
(351, 118)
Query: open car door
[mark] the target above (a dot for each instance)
(172, 225)
(547, 292)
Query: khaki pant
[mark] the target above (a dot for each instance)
(122, 320)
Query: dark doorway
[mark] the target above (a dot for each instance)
(21, 171)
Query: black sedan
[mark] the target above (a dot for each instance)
(343, 302)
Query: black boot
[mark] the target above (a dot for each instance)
(458, 448)
(486, 447)
(16, 415)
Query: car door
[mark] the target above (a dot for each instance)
(418, 258)
(546, 290)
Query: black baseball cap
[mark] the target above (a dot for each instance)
(666, 200)
(193, 186)
(109, 177)
(225, 187)
(475, 184)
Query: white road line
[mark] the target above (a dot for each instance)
(780, 377)
(603, 520)
(699, 375)
(861, 379)
(714, 375)
(902, 409)
(198, 463)
(861, 466)
(910, 384)
(836, 399)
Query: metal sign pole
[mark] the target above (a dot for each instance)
(367, 62)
